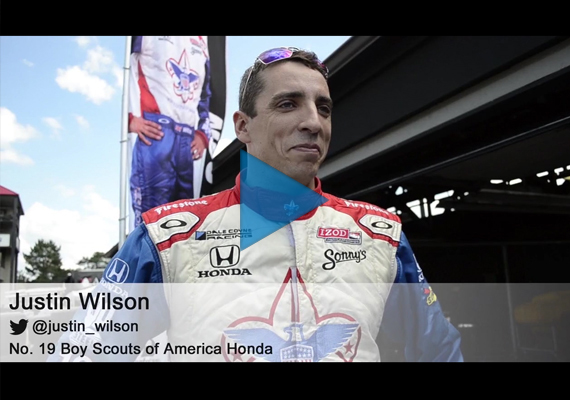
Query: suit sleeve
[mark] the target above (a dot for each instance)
(413, 315)
(130, 295)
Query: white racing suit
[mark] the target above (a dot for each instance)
(317, 289)
(170, 85)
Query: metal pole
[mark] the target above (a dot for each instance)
(124, 143)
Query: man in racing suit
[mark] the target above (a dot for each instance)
(168, 117)
(318, 289)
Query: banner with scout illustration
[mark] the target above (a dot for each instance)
(176, 107)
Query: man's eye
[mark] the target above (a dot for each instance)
(286, 104)
(325, 110)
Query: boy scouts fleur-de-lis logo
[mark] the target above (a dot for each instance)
(290, 208)
(292, 334)
(185, 80)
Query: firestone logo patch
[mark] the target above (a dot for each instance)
(181, 204)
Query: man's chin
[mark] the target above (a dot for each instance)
(305, 174)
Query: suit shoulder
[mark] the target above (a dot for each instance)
(358, 208)
(200, 206)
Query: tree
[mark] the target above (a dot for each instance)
(97, 260)
(22, 277)
(44, 263)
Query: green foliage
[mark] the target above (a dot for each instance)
(43, 263)
(97, 260)
(22, 278)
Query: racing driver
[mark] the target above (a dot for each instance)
(319, 288)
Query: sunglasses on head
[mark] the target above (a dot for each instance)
(277, 54)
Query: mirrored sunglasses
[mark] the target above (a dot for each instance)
(277, 54)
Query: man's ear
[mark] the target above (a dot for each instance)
(241, 121)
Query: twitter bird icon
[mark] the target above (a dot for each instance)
(18, 328)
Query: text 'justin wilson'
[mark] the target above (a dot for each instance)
(181, 204)
(101, 301)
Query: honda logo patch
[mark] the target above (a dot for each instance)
(117, 271)
(224, 256)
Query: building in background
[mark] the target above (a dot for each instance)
(10, 212)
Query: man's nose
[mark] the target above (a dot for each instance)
(310, 120)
